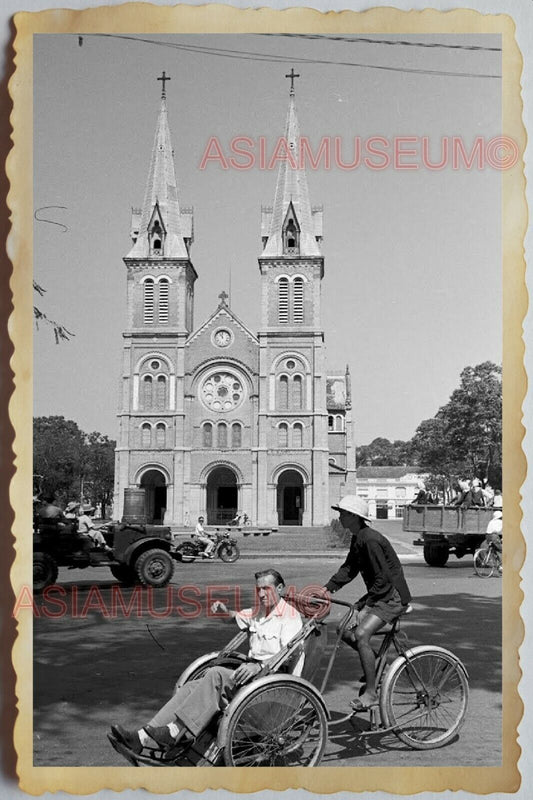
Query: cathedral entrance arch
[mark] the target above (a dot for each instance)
(290, 490)
(222, 496)
(154, 482)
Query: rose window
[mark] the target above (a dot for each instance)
(222, 391)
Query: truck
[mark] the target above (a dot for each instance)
(446, 529)
(137, 553)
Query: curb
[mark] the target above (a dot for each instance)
(405, 558)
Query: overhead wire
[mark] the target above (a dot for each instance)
(393, 42)
(249, 55)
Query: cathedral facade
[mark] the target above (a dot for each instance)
(217, 419)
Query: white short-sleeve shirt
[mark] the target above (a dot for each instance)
(268, 635)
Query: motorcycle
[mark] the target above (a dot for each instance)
(225, 548)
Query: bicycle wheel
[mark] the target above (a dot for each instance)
(425, 697)
(484, 562)
(278, 725)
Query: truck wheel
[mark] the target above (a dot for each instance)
(44, 571)
(124, 574)
(154, 568)
(436, 555)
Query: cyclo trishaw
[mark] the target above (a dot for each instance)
(280, 719)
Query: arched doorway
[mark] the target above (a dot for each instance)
(222, 496)
(290, 498)
(156, 495)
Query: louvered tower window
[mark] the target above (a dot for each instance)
(163, 301)
(146, 435)
(283, 392)
(160, 434)
(147, 393)
(283, 435)
(297, 435)
(148, 305)
(161, 392)
(296, 393)
(283, 300)
(298, 300)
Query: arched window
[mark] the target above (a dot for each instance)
(146, 435)
(283, 435)
(161, 392)
(296, 398)
(297, 434)
(298, 300)
(339, 423)
(330, 423)
(148, 304)
(147, 393)
(283, 300)
(207, 434)
(222, 435)
(283, 392)
(163, 300)
(236, 435)
(160, 434)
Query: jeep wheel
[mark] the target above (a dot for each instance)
(124, 574)
(44, 571)
(436, 555)
(154, 568)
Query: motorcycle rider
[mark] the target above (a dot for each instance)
(201, 534)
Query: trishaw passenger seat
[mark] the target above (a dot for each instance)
(314, 647)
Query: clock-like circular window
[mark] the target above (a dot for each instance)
(222, 391)
(222, 337)
(155, 364)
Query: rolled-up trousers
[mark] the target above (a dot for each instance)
(195, 703)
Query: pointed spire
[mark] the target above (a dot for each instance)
(162, 191)
(292, 188)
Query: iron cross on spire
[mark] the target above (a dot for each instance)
(223, 297)
(164, 77)
(292, 75)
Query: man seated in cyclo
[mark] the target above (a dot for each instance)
(271, 624)
(494, 532)
(201, 534)
(387, 596)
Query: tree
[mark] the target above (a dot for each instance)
(383, 453)
(60, 332)
(464, 439)
(99, 475)
(73, 465)
(58, 455)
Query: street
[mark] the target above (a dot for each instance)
(95, 665)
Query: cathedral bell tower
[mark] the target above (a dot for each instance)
(160, 295)
(293, 415)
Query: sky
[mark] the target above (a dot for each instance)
(412, 285)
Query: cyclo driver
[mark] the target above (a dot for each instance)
(387, 596)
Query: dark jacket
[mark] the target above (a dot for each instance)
(372, 555)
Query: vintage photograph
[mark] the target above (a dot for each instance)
(267, 399)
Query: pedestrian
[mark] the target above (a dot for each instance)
(498, 499)
(493, 536)
(387, 597)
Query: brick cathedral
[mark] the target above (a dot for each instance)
(218, 419)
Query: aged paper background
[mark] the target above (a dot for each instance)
(360, 778)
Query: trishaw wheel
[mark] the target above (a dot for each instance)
(484, 562)
(426, 697)
(283, 725)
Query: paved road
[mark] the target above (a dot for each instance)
(94, 666)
